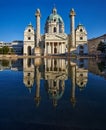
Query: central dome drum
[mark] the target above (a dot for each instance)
(54, 23)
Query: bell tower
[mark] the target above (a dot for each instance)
(29, 40)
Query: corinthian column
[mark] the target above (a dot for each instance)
(72, 29)
(38, 15)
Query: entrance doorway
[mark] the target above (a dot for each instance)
(55, 50)
(29, 50)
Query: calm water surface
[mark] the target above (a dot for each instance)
(51, 94)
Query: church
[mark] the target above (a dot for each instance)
(55, 41)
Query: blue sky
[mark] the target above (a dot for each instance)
(15, 15)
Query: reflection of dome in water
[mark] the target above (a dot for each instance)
(81, 84)
(37, 51)
(29, 83)
(37, 61)
(55, 93)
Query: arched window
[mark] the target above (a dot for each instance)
(29, 63)
(81, 38)
(55, 50)
(55, 62)
(54, 20)
(28, 82)
(81, 75)
(29, 30)
(81, 30)
(81, 83)
(55, 29)
(29, 50)
(29, 38)
(54, 83)
(28, 74)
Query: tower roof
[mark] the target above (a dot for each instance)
(80, 24)
(30, 24)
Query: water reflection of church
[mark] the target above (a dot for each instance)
(54, 73)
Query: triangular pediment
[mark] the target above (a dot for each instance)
(61, 36)
(56, 37)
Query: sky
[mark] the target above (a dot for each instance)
(15, 15)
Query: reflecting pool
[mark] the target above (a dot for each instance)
(51, 94)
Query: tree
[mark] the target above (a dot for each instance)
(5, 63)
(1, 51)
(101, 47)
(5, 50)
(12, 50)
(102, 66)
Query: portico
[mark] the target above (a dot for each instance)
(54, 48)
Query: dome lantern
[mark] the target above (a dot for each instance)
(54, 11)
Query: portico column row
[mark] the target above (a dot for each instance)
(55, 47)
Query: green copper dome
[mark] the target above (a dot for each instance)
(54, 17)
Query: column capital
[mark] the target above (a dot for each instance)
(37, 13)
(72, 13)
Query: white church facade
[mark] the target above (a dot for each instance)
(55, 41)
